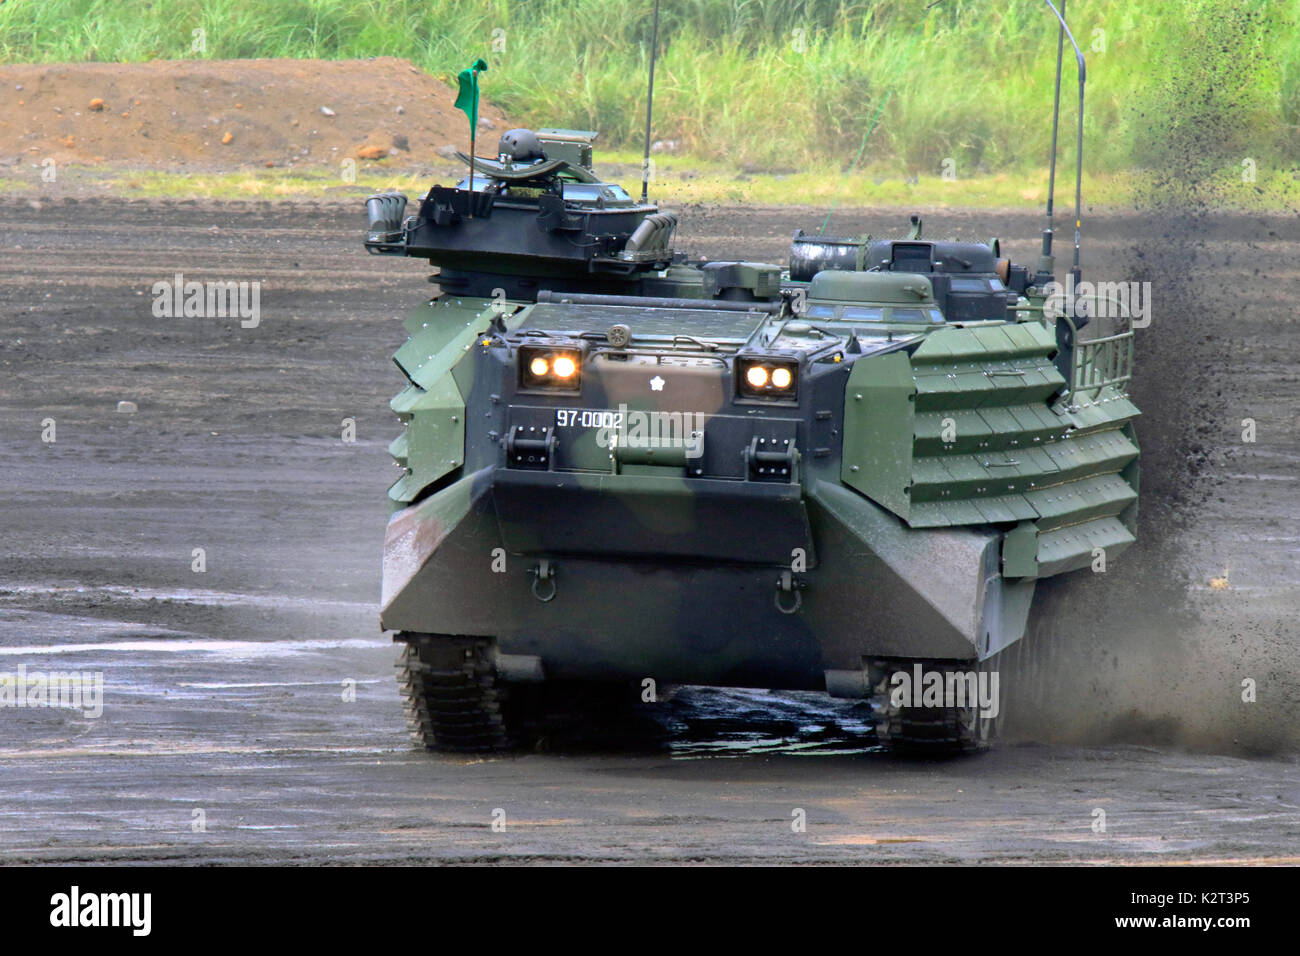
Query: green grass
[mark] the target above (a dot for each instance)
(681, 183)
(678, 182)
(1177, 91)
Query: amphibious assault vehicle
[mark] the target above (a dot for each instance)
(624, 468)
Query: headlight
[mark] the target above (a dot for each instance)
(541, 367)
(766, 378)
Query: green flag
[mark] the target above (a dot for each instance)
(467, 100)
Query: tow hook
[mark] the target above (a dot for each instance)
(787, 583)
(545, 571)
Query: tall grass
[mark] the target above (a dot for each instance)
(779, 84)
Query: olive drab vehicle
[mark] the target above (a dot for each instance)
(621, 465)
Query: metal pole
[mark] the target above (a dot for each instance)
(649, 106)
(1056, 119)
(473, 136)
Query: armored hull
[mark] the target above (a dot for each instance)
(731, 474)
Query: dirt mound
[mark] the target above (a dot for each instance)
(210, 114)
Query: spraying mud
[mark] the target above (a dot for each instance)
(1155, 650)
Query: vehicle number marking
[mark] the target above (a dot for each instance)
(587, 418)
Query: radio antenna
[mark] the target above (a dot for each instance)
(649, 106)
(1056, 124)
(1078, 162)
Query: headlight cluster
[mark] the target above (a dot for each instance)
(549, 368)
(764, 378)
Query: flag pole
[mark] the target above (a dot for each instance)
(473, 133)
(467, 101)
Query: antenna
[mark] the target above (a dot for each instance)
(1078, 163)
(1056, 123)
(649, 106)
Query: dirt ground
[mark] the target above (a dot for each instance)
(223, 114)
(225, 690)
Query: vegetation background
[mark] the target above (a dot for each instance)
(1182, 91)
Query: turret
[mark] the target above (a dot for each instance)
(537, 216)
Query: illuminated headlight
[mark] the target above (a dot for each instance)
(549, 368)
(766, 378)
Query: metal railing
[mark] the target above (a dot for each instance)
(1100, 362)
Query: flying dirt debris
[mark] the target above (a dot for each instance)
(625, 468)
